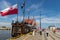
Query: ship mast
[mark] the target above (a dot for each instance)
(23, 9)
(40, 19)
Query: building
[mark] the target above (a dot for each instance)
(52, 27)
(58, 28)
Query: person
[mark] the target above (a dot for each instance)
(33, 32)
(40, 32)
(47, 33)
(54, 31)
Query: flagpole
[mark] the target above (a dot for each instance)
(17, 15)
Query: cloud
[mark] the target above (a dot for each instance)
(4, 4)
(20, 18)
(7, 24)
(30, 17)
(3, 17)
(50, 20)
(45, 19)
(41, 3)
(36, 6)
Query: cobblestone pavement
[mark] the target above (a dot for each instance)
(55, 36)
(37, 36)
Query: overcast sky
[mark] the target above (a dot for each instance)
(49, 9)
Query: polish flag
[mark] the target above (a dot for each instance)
(9, 11)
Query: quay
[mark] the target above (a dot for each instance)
(37, 36)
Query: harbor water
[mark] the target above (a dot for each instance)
(5, 34)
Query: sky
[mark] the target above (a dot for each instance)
(49, 10)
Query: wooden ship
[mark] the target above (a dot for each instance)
(19, 28)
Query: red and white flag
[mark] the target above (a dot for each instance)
(9, 11)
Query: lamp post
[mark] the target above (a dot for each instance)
(40, 24)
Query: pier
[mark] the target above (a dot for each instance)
(37, 36)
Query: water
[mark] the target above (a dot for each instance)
(5, 34)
